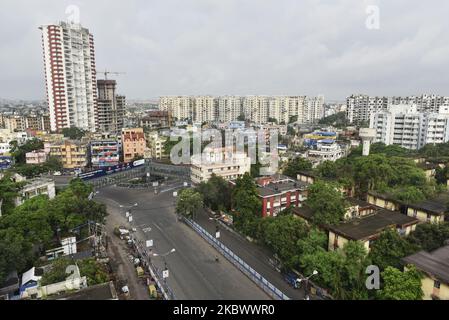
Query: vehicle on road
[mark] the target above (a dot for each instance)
(57, 173)
(292, 279)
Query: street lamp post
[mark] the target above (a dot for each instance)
(306, 280)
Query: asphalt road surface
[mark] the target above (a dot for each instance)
(194, 273)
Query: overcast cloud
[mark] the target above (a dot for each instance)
(218, 47)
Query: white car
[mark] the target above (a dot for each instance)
(57, 173)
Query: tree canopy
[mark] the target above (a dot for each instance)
(189, 202)
(297, 165)
(398, 285)
(327, 203)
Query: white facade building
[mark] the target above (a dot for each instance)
(360, 108)
(257, 109)
(406, 126)
(70, 75)
(222, 162)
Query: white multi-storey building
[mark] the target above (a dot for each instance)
(360, 108)
(223, 162)
(257, 109)
(204, 109)
(180, 108)
(70, 75)
(406, 126)
(230, 108)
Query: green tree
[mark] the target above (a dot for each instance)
(389, 249)
(429, 237)
(399, 285)
(9, 191)
(216, 193)
(19, 152)
(282, 234)
(338, 120)
(327, 203)
(246, 204)
(74, 133)
(189, 202)
(297, 165)
(327, 169)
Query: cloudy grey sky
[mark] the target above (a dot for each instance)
(171, 47)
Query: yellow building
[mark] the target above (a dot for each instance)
(368, 228)
(364, 223)
(435, 267)
(72, 154)
(431, 211)
(383, 201)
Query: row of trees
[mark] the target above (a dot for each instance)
(386, 169)
(28, 230)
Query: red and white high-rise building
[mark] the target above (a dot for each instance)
(70, 76)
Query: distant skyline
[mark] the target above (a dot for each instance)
(246, 47)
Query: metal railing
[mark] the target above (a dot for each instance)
(263, 283)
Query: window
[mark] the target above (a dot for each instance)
(436, 284)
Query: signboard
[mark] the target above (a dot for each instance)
(130, 219)
(165, 274)
(175, 194)
(149, 243)
(127, 214)
(156, 184)
(217, 235)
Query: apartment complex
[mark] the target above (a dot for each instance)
(360, 108)
(72, 154)
(223, 162)
(156, 145)
(133, 143)
(20, 123)
(104, 153)
(257, 109)
(70, 75)
(111, 107)
(406, 126)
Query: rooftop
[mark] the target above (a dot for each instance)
(435, 263)
(370, 226)
(105, 291)
(437, 205)
(278, 184)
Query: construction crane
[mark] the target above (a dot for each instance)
(106, 72)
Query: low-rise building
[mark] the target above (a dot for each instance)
(224, 163)
(36, 187)
(36, 157)
(435, 267)
(364, 222)
(431, 211)
(72, 154)
(279, 192)
(367, 229)
(326, 150)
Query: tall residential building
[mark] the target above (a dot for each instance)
(230, 108)
(111, 107)
(406, 126)
(360, 108)
(204, 109)
(133, 143)
(70, 76)
(180, 108)
(257, 109)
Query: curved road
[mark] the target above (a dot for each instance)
(194, 274)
